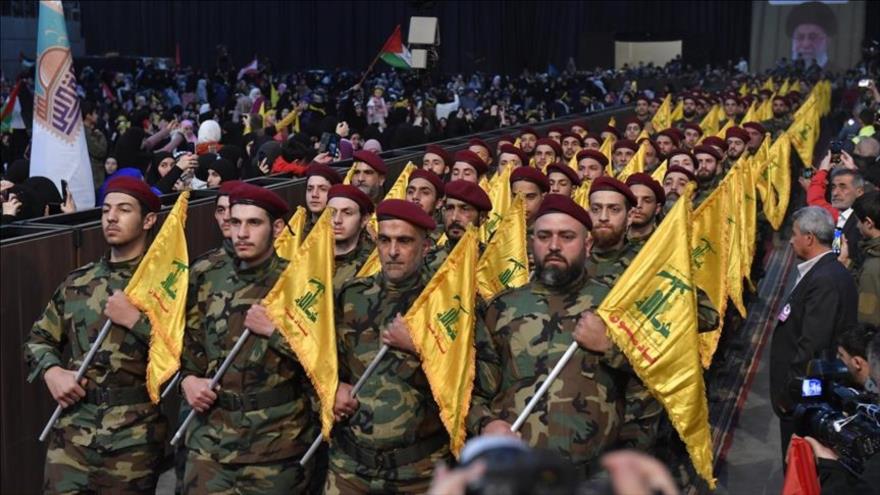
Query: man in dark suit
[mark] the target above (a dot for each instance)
(821, 305)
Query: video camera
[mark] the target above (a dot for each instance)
(841, 417)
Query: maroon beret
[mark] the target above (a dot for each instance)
(353, 193)
(373, 160)
(532, 175)
(793, 95)
(594, 154)
(734, 97)
(681, 170)
(626, 143)
(327, 172)
(480, 142)
(513, 150)
(135, 188)
(633, 120)
(227, 186)
(694, 127)
(577, 137)
(765, 91)
(249, 194)
(605, 183)
(580, 123)
(709, 150)
(565, 170)
(612, 130)
(671, 134)
(560, 203)
(649, 182)
(689, 96)
(470, 193)
(559, 130)
(528, 130)
(399, 209)
(678, 132)
(557, 148)
(715, 141)
(429, 176)
(781, 98)
(679, 151)
(737, 132)
(755, 126)
(650, 142)
(443, 154)
(472, 159)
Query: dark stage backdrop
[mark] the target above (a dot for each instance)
(486, 35)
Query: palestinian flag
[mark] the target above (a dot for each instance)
(394, 53)
(11, 111)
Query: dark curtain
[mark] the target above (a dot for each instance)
(488, 35)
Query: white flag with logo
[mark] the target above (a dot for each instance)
(59, 149)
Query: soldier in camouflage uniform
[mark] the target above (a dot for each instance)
(689, 112)
(709, 172)
(426, 188)
(466, 204)
(319, 179)
(390, 437)
(781, 117)
(351, 212)
(252, 431)
(650, 199)
(611, 255)
(532, 326)
(110, 437)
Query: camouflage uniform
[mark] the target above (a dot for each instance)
(394, 440)
(264, 417)
(113, 439)
(777, 125)
(706, 189)
(531, 327)
(348, 265)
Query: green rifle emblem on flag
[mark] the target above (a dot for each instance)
(653, 306)
(170, 281)
(307, 301)
(698, 255)
(449, 318)
(507, 275)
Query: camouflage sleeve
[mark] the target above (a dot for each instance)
(707, 314)
(345, 373)
(280, 345)
(641, 418)
(142, 329)
(487, 380)
(193, 359)
(47, 338)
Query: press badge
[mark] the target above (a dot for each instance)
(785, 313)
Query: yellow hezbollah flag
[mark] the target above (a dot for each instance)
(484, 184)
(749, 208)
(765, 110)
(795, 86)
(500, 196)
(581, 195)
(517, 143)
(349, 175)
(612, 122)
(505, 261)
(660, 172)
(735, 220)
(397, 191)
(651, 314)
(804, 131)
(711, 121)
(288, 242)
(743, 89)
(778, 179)
(784, 89)
(301, 307)
(710, 250)
(441, 324)
(678, 111)
(663, 116)
(158, 288)
(768, 84)
(751, 114)
(636, 164)
(371, 266)
(607, 149)
(727, 125)
(759, 167)
(573, 163)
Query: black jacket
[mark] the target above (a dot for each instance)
(820, 307)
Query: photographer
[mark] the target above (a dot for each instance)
(833, 475)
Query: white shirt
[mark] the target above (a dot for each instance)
(843, 217)
(806, 266)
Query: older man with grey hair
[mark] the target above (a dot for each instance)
(821, 305)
